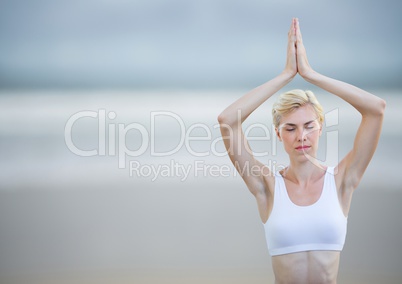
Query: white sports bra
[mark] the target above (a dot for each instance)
(292, 228)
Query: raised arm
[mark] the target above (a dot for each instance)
(352, 167)
(253, 99)
(235, 114)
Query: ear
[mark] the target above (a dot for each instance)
(320, 129)
(278, 134)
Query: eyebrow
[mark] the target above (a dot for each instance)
(292, 124)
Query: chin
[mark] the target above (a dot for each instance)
(305, 157)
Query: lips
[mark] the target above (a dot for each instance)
(304, 147)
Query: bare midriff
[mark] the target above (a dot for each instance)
(309, 267)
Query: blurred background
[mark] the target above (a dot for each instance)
(66, 218)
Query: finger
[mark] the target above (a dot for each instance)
(292, 31)
(298, 32)
(292, 28)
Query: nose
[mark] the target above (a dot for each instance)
(301, 135)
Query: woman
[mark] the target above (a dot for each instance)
(303, 207)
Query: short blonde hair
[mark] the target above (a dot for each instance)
(291, 100)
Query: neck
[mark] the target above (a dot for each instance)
(303, 172)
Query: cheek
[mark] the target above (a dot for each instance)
(314, 136)
(287, 137)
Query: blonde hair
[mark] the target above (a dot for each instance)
(289, 101)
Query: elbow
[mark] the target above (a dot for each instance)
(381, 107)
(226, 123)
(228, 118)
(384, 104)
(377, 108)
(221, 118)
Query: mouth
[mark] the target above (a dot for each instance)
(302, 148)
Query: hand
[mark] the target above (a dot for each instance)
(303, 67)
(291, 62)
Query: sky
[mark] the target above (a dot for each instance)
(193, 44)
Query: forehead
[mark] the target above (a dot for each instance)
(300, 115)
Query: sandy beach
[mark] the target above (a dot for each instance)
(66, 218)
